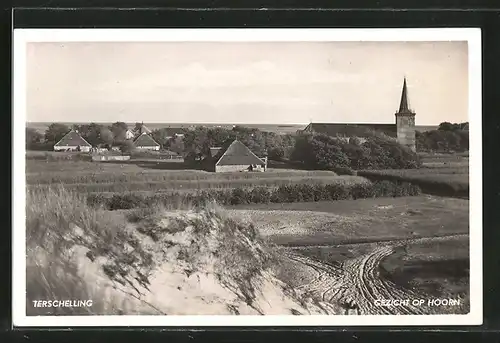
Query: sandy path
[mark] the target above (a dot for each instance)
(356, 283)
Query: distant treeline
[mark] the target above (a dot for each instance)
(449, 137)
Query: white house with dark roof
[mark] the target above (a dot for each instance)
(146, 142)
(72, 141)
(129, 134)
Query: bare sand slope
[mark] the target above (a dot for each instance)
(188, 264)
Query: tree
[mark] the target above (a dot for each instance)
(127, 146)
(33, 137)
(106, 136)
(176, 144)
(90, 132)
(119, 130)
(55, 132)
(443, 140)
(161, 136)
(447, 126)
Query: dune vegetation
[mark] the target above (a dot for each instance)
(213, 263)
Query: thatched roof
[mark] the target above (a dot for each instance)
(73, 138)
(238, 154)
(145, 140)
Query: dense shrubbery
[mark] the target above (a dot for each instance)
(345, 155)
(442, 141)
(197, 142)
(259, 195)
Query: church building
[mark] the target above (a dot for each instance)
(403, 129)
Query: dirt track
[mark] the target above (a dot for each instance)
(356, 283)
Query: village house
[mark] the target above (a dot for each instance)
(129, 134)
(403, 130)
(72, 141)
(146, 142)
(236, 158)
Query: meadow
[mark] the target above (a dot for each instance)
(92, 177)
(90, 172)
(440, 174)
(135, 184)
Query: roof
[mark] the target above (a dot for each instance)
(142, 129)
(214, 151)
(238, 154)
(360, 129)
(404, 105)
(145, 140)
(72, 138)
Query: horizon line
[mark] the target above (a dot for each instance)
(212, 123)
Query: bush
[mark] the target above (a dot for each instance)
(345, 171)
(261, 195)
(344, 156)
(125, 201)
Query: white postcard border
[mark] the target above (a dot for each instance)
(22, 36)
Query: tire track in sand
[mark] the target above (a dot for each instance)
(356, 283)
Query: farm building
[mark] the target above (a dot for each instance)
(403, 129)
(237, 157)
(146, 142)
(72, 141)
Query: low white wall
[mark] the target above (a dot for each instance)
(156, 148)
(71, 148)
(236, 168)
(110, 158)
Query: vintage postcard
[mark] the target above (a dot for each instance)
(260, 177)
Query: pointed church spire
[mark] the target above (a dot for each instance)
(404, 106)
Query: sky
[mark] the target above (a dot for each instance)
(250, 82)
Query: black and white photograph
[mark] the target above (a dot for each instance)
(247, 177)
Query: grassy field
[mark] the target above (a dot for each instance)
(91, 172)
(440, 174)
(91, 177)
(170, 185)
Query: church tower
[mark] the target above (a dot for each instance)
(405, 121)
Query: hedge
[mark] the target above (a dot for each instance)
(260, 195)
